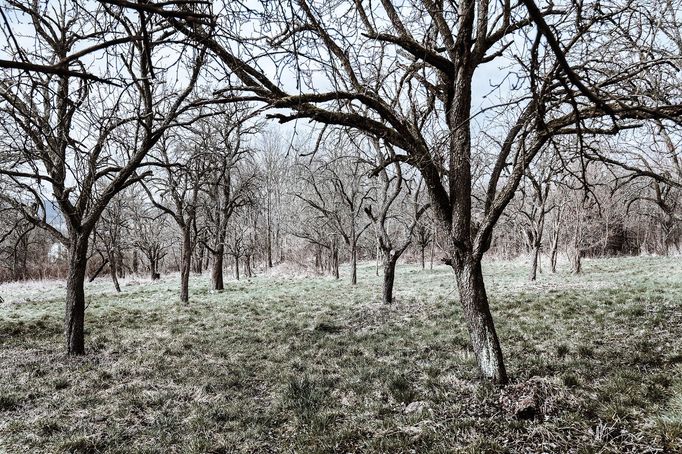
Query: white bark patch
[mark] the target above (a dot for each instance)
(487, 358)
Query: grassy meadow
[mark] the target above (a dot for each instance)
(308, 365)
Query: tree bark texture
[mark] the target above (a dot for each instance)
(185, 264)
(474, 302)
(74, 320)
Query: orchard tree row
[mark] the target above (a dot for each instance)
(144, 130)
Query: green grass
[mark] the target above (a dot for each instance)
(315, 365)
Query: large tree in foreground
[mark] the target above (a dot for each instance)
(405, 71)
(74, 139)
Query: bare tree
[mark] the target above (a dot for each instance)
(83, 138)
(152, 239)
(665, 195)
(337, 190)
(541, 179)
(230, 182)
(239, 242)
(391, 243)
(316, 229)
(554, 238)
(19, 239)
(423, 235)
(113, 225)
(177, 193)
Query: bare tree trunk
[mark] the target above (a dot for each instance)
(423, 247)
(377, 266)
(330, 260)
(335, 260)
(269, 229)
(153, 268)
(247, 266)
(576, 260)
(280, 245)
(554, 250)
(206, 263)
(74, 319)
(217, 270)
(236, 267)
(474, 302)
(185, 264)
(120, 264)
(199, 262)
(389, 277)
(538, 234)
(318, 259)
(113, 271)
(576, 252)
(136, 262)
(534, 262)
(607, 235)
(24, 264)
(353, 262)
(15, 265)
(433, 246)
(667, 227)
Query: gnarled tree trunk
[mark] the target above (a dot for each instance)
(74, 320)
(534, 262)
(153, 269)
(390, 260)
(474, 302)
